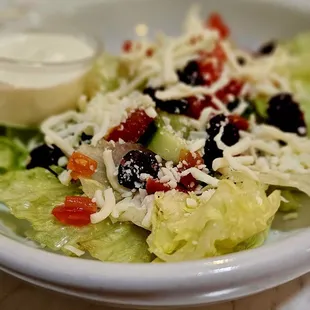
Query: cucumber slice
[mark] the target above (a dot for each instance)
(167, 144)
(179, 123)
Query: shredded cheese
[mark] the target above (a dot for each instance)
(74, 250)
(201, 176)
(106, 208)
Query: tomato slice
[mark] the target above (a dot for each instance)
(211, 64)
(189, 182)
(240, 122)
(153, 186)
(132, 129)
(196, 106)
(216, 22)
(233, 88)
(189, 160)
(75, 211)
(81, 165)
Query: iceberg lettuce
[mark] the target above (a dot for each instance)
(13, 155)
(236, 217)
(32, 194)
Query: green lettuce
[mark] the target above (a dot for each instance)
(237, 217)
(32, 194)
(13, 155)
(291, 201)
(104, 76)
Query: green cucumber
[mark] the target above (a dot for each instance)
(167, 144)
(179, 123)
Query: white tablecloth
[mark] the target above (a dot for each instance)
(18, 295)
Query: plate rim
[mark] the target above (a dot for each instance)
(212, 278)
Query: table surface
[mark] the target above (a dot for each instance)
(18, 295)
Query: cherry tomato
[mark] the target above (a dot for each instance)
(216, 22)
(81, 165)
(75, 211)
(132, 129)
(240, 122)
(153, 186)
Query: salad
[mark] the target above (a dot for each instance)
(181, 148)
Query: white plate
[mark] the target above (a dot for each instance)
(287, 252)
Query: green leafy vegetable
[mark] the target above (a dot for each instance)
(296, 181)
(236, 217)
(292, 201)
(32, 195)
(104, 76)
(13, 155)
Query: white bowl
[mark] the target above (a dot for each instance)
(287, 252)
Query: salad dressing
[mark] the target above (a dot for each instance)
(41, 74)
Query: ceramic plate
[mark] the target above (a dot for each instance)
(285, 255)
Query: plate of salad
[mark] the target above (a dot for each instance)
(187, 157)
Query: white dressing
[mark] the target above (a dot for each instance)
(41, 74)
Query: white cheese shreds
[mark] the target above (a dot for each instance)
(62, 161)
(206, 195)
(99, 199)
(65, 177)
(106, 208)
(74, 250)
(102, 113)
(191, 202)
(197, 145)
(201, 176)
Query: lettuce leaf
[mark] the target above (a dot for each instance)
(295, 180)
(32, 194)
(292, 201)
(237, 217)
(13, 155)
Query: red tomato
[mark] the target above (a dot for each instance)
(196, 106)
(132, 129)
(189, 160)
(182, 189)
(127, 46)
(76, 211)
(234, 88)
(153, 186)
(211, 64)
(79, 201)
(240, 122)
(216, 22)
(81, 165)
(189, 182)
